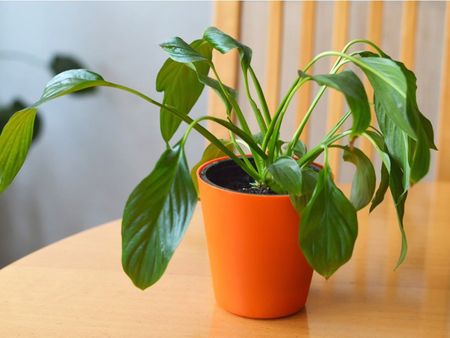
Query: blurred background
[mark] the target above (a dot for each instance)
(93, 149)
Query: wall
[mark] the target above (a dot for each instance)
(93, 150)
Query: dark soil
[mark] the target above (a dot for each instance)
(226, 174)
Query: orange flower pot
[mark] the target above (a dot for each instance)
(258, 269)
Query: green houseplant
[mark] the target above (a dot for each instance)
(160, 207)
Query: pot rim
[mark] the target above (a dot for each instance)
(226, 190)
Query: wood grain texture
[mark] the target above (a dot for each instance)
(336, 100)
(307, 38)
(409, 24)
(273, 65)
(227, 17)
(374, 33)
(76, 287)
(443, 165)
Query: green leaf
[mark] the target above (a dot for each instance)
(211, 152)
(397, 142)
(180, 51)
(155, 218)
(68, 82)
(299, 149)
(390, 87)
(15, 141)
(399, 197)
(309, 182)
(181, 88)
(60, 63)
(364, 180)
(7, 111)
(224, 43)
(353, 89)
(379, 145)
(382, 188)
(328, 228)
(287, 175)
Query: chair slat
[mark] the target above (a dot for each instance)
(307, 37)
(227, 17)
(336, 101)
(374, 32)
(409, 23)
(273, 65)
(443, 172)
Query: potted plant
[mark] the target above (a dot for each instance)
(271, 214)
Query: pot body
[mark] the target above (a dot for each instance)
(258, 269)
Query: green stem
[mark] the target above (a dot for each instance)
(242, 161)
(339, 124)
(203, 131)
(259, 117)
(260, 94)
(314, 152)
(233, 103)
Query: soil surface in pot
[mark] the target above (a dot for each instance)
(227, 174)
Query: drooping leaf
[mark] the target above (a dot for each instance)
(7, 111)
(353, 89)
(287, 175)
(397, 142)
(399, 196)
(69, 82)
(211, 152)
(180, 51)
(390, 87)
(328, 228)
(309, 182)
(224, 43)
(15, 141)
(155, 218)
(181, 87)
(378, 142)
(382, 188)
(364, 180)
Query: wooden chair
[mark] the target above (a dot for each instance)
(228, 17)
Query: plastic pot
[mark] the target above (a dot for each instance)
(258, 269)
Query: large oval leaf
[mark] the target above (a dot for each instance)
(15, 141)
(181, 87)
(351, 86)
(364, 180)
(155, 218)
(328, 228)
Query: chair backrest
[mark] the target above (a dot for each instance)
(418, 25)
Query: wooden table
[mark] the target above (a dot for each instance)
(76, 287)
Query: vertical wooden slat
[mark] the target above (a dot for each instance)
(227, 17)
(307, 36)
(336, 101)
(443, 172)
(273, 66)
(374, 31)
(409, 19)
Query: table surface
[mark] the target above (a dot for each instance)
(76, 287)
